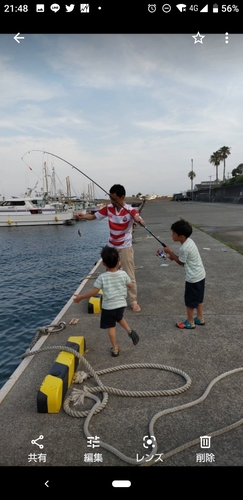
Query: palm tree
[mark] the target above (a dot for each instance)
(215, 159)
(224, 153)
(191, 176)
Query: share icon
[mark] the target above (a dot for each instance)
(34, 441)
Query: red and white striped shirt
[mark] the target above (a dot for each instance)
(120, 224)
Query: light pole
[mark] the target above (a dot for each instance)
(209, 197)
(192, 180)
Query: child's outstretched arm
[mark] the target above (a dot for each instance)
(173, 256)
(92, 293)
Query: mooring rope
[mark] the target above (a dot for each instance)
(45, 330)
(78, 396)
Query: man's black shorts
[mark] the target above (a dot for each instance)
(109, 317)
(194, 293)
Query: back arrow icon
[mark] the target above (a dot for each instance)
(46, 483)
(17, 38)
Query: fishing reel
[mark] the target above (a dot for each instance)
(161, 254)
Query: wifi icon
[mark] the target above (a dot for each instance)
(181, 7)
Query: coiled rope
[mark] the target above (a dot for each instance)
(78, 396)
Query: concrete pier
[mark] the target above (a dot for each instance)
(208, 354)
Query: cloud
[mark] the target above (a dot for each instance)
(132, 109)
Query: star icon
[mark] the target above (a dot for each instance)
(198, 38)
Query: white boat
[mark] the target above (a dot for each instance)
(26, 212)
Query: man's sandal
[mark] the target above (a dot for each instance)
(135, 307)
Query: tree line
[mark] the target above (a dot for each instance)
(216, 158)
(221, 155)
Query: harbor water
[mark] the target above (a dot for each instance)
(41, 268)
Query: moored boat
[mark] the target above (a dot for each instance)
(23, 212)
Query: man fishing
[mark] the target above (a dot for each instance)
(121, 218)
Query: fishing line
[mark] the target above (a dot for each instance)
(100, 187)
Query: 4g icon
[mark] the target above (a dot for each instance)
(182, 7)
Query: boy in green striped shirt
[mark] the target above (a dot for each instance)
(114, 284)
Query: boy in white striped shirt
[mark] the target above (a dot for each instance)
(114, 284)
(190, 258)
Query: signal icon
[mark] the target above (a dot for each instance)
(181, 7)
(205, 9)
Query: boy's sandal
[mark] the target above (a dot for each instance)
(115, 352)
(185, 324)
(199, 321)
(134, 336)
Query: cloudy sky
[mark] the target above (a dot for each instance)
(133, 109)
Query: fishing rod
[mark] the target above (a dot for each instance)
(100, 187)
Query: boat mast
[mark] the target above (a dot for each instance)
(53, 182)
(68, 188)
(45, 180)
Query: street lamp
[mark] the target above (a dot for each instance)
(210, 176)
(192, 180)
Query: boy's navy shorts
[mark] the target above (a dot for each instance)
(194, 293)
(109, 317)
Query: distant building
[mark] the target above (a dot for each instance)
(206, 184)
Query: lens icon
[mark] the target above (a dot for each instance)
(149, 441)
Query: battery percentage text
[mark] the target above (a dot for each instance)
(230, 8)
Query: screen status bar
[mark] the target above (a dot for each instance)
(116, 17)
(150, 8)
